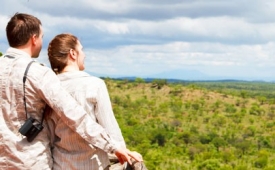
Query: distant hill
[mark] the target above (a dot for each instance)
(182, 74)
(186, 75)
(195, 75)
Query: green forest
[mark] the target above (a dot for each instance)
(225, 125)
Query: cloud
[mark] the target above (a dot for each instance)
(145, 60)
(140, 37)
(3, 21)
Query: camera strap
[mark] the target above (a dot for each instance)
(24, 86)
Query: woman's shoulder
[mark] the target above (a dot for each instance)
(93, 78)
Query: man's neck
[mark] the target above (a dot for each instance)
(25, 49)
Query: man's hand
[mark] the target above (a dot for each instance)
(126, 155)
(135, 155)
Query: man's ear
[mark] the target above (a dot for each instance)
(33, 39)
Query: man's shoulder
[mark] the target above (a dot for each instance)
(40, 66)
(41, 71)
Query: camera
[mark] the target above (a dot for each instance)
(31, 128)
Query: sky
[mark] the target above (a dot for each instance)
(147, 38)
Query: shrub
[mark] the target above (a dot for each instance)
(211, 164)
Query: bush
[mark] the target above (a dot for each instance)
(211, 164)
(261, 162)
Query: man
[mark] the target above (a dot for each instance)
(20, 101)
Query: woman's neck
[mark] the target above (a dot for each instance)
(70, 68)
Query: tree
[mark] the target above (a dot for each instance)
(227, 155)
(159, 83)
(243, 145)
(243, 94)
(262, 99)
(139, 80)
(261, 161)
(218, 142)
(1, 54)
(210, 164)
(256, 110)
(186, 136)
(159, 139)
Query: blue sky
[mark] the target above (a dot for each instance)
(218, 38)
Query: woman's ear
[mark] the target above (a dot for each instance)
(73, 54)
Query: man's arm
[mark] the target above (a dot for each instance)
(105, 115)
(70, 112)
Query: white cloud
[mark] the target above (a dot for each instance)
(113, 7)
(3, 22)
(140, 37)
(146, 60)
(112, 27)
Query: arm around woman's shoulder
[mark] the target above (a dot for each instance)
(105, 115)
(69, 111)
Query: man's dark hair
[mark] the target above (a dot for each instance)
(20, 28)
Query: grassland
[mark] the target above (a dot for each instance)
(197, 125)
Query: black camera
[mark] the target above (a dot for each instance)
(31, 128)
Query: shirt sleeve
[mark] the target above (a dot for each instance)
(105, 115)
(72, 113)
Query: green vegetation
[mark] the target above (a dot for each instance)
(1, 54)
(197, 126)
(260, 90)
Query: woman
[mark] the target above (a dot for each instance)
(69, 149)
